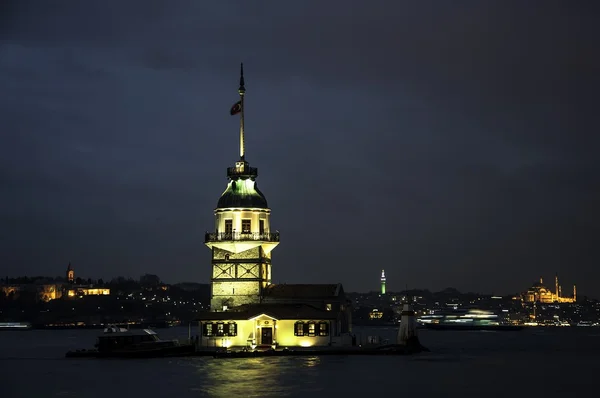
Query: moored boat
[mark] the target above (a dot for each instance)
(117, 342)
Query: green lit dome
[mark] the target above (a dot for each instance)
(242, 193)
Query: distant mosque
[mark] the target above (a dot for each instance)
(540, 293)
(247, 309)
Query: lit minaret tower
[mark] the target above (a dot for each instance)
(242, 242)
(382, 281)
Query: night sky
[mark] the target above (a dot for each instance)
(451, 143)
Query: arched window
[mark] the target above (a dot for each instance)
(207, 329)
(312, 329)
(232, 329)
(323, 328)
(299, 328)
(220, 329)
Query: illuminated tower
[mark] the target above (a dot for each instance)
(574, 293)
(70, 274)
(242, 241)
(382, 282)
(557, 288)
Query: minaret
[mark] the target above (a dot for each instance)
(382, 282)
(242, 241)
(557, 288)
(574, 293)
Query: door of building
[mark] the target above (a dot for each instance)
(266, 336)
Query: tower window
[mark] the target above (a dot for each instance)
(228, 226)
(261, 226)
(246, 226)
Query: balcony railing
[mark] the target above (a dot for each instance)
(241, 236)
(242, 172)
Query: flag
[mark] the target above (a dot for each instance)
(236, 108)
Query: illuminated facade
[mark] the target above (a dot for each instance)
(247, 309)
(72, 290)
(52, 291)
(375, 314)
(276, 325)
(79, 291)
(242, 240)
(44, 292)
(538, 292)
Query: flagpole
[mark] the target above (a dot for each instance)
(242, 91)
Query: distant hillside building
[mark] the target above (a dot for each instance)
(78, 290)
(46, 291)
(247, 309)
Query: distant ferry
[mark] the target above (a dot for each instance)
(588, 324)
(15, 325)
(451, 326)
(466, 320)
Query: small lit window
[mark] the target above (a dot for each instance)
(311, 329)
(299, 329)
(323, 329)
(228, 226)
(232, 329)
(246, 226)
(208, 329)
(220, 329)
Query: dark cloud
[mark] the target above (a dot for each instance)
(450, 143)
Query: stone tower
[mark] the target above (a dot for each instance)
(70, 274)
(242, 240)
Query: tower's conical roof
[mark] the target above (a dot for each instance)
(242, 193)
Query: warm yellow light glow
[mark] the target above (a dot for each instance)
(262, 316)
(88, 291)
(306, 343)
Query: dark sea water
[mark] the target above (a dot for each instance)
(541, 362)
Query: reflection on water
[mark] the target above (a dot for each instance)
(460, 363)
(257, 377)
